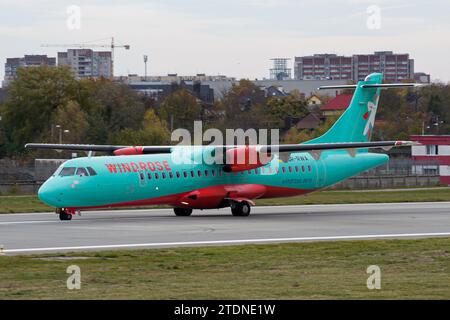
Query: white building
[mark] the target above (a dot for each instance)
(432, 156)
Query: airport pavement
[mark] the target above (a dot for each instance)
(126, 229)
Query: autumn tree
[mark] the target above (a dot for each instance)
(33, 98)
(154, 132)
(71, 117)
(244, 107)
(180, 109)
(281, 110)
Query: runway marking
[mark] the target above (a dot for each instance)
(28, 222)
(242, 241)
(301, 206)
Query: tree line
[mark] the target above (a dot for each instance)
(99, 111)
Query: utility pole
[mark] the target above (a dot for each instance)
(61, 131)
(145, 62)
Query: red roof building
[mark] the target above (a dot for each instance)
(337, 105)
(432, 156)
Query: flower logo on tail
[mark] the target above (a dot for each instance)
(370, 116)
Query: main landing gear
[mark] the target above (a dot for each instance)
(65, 214)
(240, 209)
(181, 212)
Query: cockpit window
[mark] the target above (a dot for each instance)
(57, 171)
(67, 171)
(82, 172)
(91, 171)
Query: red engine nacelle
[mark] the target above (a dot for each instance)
(245, 158)
(130, 151)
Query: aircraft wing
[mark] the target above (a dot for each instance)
(335, 146)
(133, 150)
(100, 148)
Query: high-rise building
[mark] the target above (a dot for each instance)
(86, 63)
(13, 64)
(323, 67)
(395, 67)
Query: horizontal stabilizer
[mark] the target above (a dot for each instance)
(381, 86)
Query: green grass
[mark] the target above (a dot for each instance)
(330, 197)
(410, 269)
(14, 204)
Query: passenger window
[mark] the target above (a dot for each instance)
(156, 176)
(68, 171)
(309, 168)
(206, 173)
(91, 171)
(163, 175)
(82, 172)
(192, 174)
(284, 169)
(213, 172)
(303, 168)
(149, 175)
(178, 174)
(185, 174)
(296, 168)
(170, 174)
(290, 169)
(199, 173)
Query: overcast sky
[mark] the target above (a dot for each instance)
(232, 37)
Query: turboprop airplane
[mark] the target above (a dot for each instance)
(148, 175)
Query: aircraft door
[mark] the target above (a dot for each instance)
(321, 173)
(141, 177)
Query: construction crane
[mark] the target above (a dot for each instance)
(88, 45)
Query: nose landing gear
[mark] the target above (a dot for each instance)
(65, 214)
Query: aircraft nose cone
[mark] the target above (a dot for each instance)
(46, 194)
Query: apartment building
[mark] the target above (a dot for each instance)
(395, 67)
(13, 64)
(86, 63)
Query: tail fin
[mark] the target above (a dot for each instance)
(357, 122)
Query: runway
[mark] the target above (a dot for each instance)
(126, 229)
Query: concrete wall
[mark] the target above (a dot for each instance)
(386, 182)
(19, 188)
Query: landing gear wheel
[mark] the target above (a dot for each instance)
(181, 212)
(241, 209)
(64, 216)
